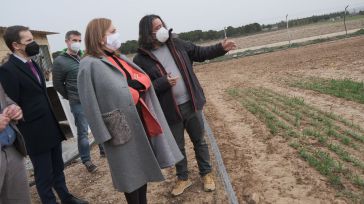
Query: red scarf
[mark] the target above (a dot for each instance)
(151, 124)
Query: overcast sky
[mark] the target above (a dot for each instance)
(183, 15)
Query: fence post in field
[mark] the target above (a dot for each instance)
(346, 31)
(289, 36)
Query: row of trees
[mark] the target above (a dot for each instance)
(131, 46)
(199, 35)
(312, 19)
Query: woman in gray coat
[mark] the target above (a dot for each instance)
(124, 113)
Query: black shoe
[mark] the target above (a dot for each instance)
(74, 200)
(90, 166)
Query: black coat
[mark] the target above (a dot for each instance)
(184, 54)
(39, 126)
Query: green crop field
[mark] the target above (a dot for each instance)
(348, 89)
(329, 143)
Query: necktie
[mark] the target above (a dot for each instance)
(34, 71)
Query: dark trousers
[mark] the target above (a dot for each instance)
(48, 174)
(192, 122)
(138, 196)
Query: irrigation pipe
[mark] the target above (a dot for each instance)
(220, 164)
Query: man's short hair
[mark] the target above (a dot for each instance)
(12, 34)
(72, 32)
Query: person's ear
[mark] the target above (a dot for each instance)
(16, 46)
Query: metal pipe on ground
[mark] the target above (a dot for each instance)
(220, 164)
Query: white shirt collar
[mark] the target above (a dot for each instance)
(21, 58)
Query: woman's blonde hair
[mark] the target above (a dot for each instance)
(95, 32)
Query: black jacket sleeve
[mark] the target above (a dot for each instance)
(200, 53)
(160, 83)
(10, 84)
(8, 101)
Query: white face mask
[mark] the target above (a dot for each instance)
(162, 35)
(113, 41)
(76, 46)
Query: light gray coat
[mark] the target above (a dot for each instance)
(19, 142)
(134, 159)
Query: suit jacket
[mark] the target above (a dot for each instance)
(19, 141)
(40, 127)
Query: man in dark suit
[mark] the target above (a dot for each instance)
(24, 83)
(13, 177)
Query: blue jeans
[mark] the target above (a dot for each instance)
(82, 132)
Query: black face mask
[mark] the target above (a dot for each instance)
(32, 49)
